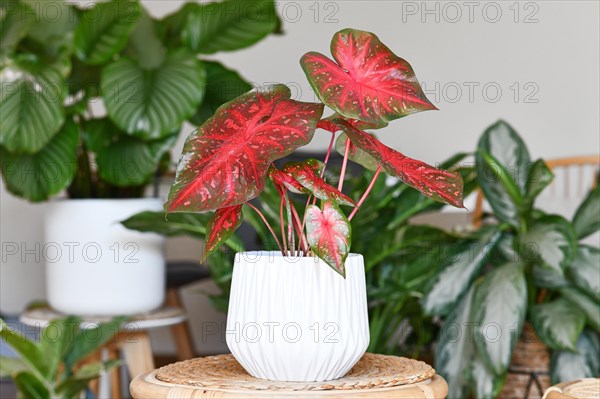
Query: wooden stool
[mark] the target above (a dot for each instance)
(374, 376)
(588, 388)
(132, 342)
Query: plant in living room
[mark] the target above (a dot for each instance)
(58, 365)
(310, 293)
(522, 269)
(92, 99)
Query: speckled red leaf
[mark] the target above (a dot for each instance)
(368, 82)
(438, 184)
(307, 174)
(225, 161)
(283, 179)
(355, 154)
(329, 234)
(221, 226)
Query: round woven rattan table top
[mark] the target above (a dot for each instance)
(587, 388)
(376, 376)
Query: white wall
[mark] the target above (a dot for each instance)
(553, 62)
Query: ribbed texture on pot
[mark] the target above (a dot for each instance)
(295, 319)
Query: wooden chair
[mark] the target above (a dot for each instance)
(580, 164)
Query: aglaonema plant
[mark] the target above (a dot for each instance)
(228, 160)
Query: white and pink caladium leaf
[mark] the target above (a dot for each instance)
(306, 173)
(367, 81)
(329, 234)
(221, 226)
(225, 162)
(440, 185)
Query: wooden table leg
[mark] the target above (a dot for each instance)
(180, 332)
(115, 375)
(137, 352)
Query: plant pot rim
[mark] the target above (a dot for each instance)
(278, 254)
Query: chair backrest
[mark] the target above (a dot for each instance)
(573, 177)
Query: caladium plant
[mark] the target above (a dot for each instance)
(227, 161)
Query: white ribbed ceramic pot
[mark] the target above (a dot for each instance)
(294, 318)
(94, 265)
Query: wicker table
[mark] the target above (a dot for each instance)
(375, 376)
(588, 388)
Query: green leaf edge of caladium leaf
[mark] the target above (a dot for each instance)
(317, 249)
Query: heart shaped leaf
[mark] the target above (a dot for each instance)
(225, 162)
(151, 103)
(221, 226)
(305, 173)
(329, 234)
(104, 30)
(368, 82)
(440, 185)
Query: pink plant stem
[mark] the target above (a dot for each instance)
(364, 196)
(268, 226)
(302, 244)
(281, 223)
(345, 162)
(326, 160)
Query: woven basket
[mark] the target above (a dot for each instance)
(530, 360)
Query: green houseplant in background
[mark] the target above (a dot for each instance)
(92, 100)
(51, 367)
(523, 266)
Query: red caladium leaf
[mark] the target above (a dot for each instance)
(355, 122)
(329, 234)
(307, 174)
(283, 179)
(225, 162)
(438, 184)
(355, 154)
(368, 82)
(221, 226)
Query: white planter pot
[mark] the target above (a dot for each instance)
(94, 265)
(294, 318)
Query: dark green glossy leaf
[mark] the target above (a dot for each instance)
(584, 363)
(170, 28)
(16, 19)
(587, 218)
(30, 386)
(585, 270)
(31, 97)
(144, 45)
(586, 304)
(460, 270)
(229, 25)
(500, 304)
(222, 85)
(550, 243)
(55, 24)
(103, 30)
(46, 173)
(558, 323)
(455, 348)
(152, 103)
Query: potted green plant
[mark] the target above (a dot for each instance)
(61, 68)
(522, 268)
(52, 367)
(310, 294)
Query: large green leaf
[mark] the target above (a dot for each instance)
(222, 85)
(550, 244)
(508, 149)
(585, 270)
(16, 19)
(455, 349)
(103, 30)
(30, 352)
(586, 304)
(55, 24)
(30, 386)
(90, 340)
(587, 218)
(43, 174)
(462, 267)
(144, 45)
(485, 384)
(170, 28)
(56, 339)
(584, 363)
(153, 103)
(558, 323)
(10, 366)
(229, 25)
(500, 303)
(31, 104)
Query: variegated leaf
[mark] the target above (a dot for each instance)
(221, 226)
(329, 234)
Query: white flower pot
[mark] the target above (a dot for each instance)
(294, 318)
(94, 265)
